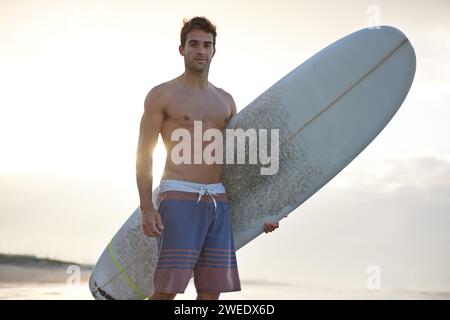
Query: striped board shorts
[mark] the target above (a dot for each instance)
(197, 238)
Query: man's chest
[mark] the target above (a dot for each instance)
(213, 112)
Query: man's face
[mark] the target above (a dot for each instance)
(198, 50)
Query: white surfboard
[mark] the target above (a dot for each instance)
(327, 110)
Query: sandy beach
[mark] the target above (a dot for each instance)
(30, 278)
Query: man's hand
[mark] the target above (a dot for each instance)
(269, 227)
(151, 223)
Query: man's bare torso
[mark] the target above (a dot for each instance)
(184, 105)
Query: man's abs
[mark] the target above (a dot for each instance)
(198, 173)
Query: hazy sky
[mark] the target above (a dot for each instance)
(74, 75)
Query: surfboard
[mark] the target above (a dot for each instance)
(327, 111)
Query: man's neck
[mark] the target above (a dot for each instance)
(197, 80)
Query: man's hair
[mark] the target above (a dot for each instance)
(197, 23)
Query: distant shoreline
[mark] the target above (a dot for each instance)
(37, 262)
(16, 270)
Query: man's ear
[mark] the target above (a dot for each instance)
(214, 51)
(181, 50)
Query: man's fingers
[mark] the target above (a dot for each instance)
(147, 231)
(269, 227)
(159, 222)
(154, 229)
(150, 229)
(150, 234)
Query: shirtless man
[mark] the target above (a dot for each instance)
(190, 217)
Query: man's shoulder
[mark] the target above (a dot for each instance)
(230, 101)
(157, 96)
(160, 89)
(164, 90)
(224, 93)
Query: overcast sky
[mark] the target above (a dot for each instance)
(74, 75)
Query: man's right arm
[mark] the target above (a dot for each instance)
(150, 127)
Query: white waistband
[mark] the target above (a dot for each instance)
(211, 189)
